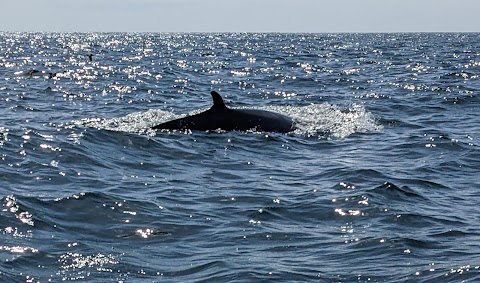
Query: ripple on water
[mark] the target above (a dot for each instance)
(377, 184)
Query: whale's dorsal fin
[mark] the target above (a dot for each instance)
(217, 101)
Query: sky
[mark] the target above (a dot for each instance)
(309, 16)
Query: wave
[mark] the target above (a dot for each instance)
(316, 120)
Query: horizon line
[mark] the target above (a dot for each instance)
(242, 32)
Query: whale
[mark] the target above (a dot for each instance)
(37, 73)
(221, 117)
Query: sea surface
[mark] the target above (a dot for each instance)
(379, 182)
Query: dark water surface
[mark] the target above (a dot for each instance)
(378, 183)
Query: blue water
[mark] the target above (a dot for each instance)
(378, 183)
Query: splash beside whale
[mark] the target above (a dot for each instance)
(219, 116)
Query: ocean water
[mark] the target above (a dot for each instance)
(378, 183)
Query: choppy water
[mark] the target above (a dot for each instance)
(379, 183)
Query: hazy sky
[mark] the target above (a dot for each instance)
(241, 15)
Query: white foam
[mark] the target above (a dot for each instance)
(137, 122)
(315, 120)
(329, 121)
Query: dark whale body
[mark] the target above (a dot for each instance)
(221, 117)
